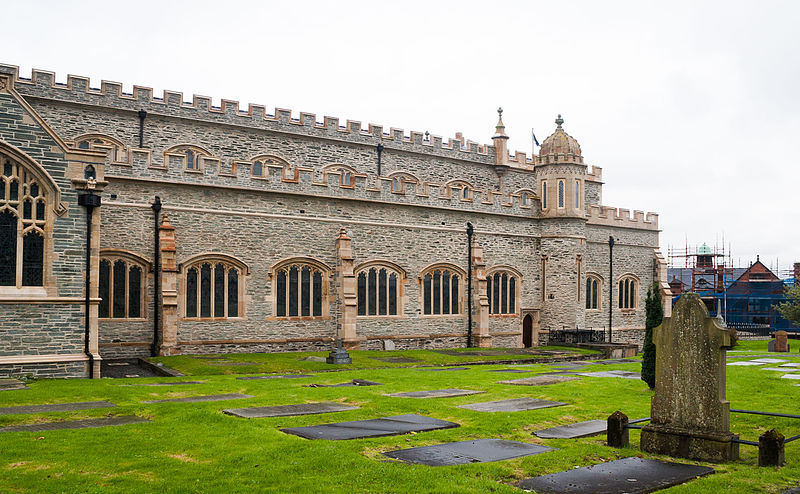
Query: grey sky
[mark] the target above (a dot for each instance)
(690, 108)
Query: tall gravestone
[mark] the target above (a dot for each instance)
(689, 412)
(781, 341)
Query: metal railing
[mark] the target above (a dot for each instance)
(568, 336)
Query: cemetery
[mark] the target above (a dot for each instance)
(722, 416)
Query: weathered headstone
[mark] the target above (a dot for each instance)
(617, 430)
(770, 449)
(781, 341)
(690, 417)
(339, 355)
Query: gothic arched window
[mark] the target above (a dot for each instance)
(594, 287)
(379, 287)
(561, 193)
(301, 289)
(213, 286)
(627, 296)
(502, 287)
(441, 290)
(23, 217)
(122, 287)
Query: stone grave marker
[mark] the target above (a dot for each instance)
(466, 452)
(513, 405)
(389, 345)
(572, 431)
(198, 399)
(435, 393)
(339, 355)
(75, 424)
(11, 384)
(629, 475)
(56, 407)
(289, 410)
(690, 417)
(613, 373)
(440, 369)
(540, 380)
(781, 341)
(354, 382)
(286, 376)
(357, 429)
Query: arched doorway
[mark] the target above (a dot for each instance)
(527, 331)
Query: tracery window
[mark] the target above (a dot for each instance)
(441, 290)
(213, 286)
(301, 289)
(502, 287)
(561, 193)
(627, 292)
(23, 207)
(121, 288)
(379, 289)
(594, 287)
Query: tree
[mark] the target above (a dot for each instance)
(790, 310)
(654, 315)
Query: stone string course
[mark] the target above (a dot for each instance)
(298, 208)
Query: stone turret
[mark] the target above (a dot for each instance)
(561, 175)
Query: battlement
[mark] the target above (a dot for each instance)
(78, 89)
(604, 215)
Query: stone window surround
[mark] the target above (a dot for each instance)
(288, 173)
(212, 258)
(511, 272)
(399, 181)
(636, 298)
(544, 195)
(526, 197)
(561, 190)
(345, 172)
(116, 151)
(53, 208)
(441, 266)
(179, 151)
(599, 293)
(146, 266)
(300, 262)
(466, 190)
(402, 280)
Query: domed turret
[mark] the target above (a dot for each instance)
(560, 147)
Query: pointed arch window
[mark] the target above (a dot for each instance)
(441, 290)
(502, 287)
(628, 292)
(213, 288)
(560, 193)
(121, 288)
(300, 289)
(594, 287)
(379, 288)
(23, 219)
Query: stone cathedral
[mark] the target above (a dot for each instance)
(209, 229)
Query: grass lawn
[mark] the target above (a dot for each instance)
(193, 447)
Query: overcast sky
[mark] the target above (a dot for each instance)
(691, 108)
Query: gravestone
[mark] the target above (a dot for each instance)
(690, 417)
(339, 355)
(781, 341)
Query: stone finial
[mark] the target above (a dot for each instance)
(165, 223)
(559, 121)
(343, 233)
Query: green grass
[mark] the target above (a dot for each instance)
(196, 448)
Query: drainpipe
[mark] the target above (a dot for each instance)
(469, 284)
(380, 152)
(610, 282)
(89, 200)
(142, 116)
(156, 206)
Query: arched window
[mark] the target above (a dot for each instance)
(544, 194)
(379, 289)
(397, 184)
(301, 288)
(577, 193)
(627, 296)
(23, 217)
(113, 148)
(594, 287)
(258, 169)
(561, 193)
(502, 287)
(191, 156)
(122, 287)
(346, 174)
(400, 180)
(214, 286)
(441, 290)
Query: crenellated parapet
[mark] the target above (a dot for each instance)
(619, 217)
(78, 89)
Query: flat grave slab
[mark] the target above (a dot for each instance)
(629, 475)
(75, 424)
(56, 407)
(354, 382)
(512, 371)
(313, 359)
(572, 431)
(778, 369)
(440, 369)
(197, 399)
(466, 452)
(178, 383)
(387, 426)
(614, 373)
(287, 376)
(288, 410)
(614, 361)
(234, 364)
(513, 405)
(793, 364)
(795, 490)
(769, 360)
(436, 393)
(11, 384)
(397, 360)
(121, 368)
(540, 380)
(790, 376)
(745, 363)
